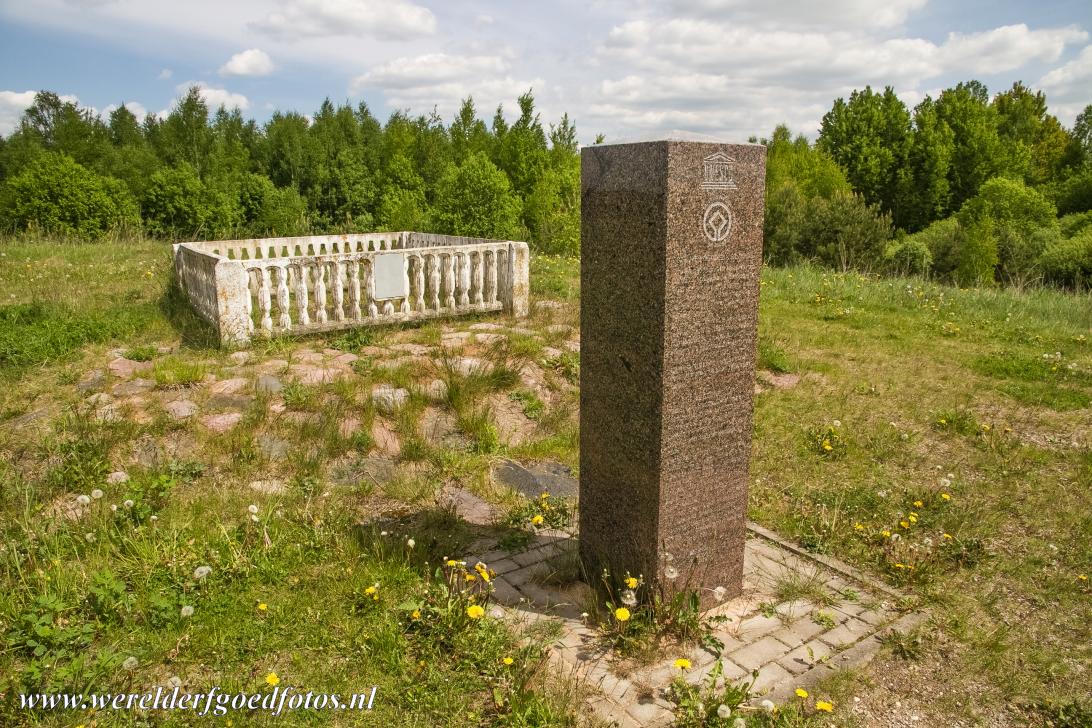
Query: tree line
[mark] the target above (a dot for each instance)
(202, 175)
(964, 187)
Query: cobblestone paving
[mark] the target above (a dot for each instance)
(791, 644)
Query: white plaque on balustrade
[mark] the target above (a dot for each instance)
(390, 276)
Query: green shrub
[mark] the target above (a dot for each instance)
(476, 199)
(1075, 223)
(943, 239)
(909, 255)
(1022, 222)
(845, 232)
(1069, 262)
(976, 256)
(178, 204)
(56, 194)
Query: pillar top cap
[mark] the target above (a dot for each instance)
(674, 135)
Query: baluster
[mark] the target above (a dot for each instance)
(282, 297)
(248, 304)
(369, 289)
(479, 276)
(419, 282)
(464, 279)
(320, 293)
(302, 316)
(491, 277)
(434, 282)
(339, 291)
(354, 288)
(404, 306)
(264, 302)
(449, 280)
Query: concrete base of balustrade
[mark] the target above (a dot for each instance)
(275, 286)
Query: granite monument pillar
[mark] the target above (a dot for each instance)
(671, 246)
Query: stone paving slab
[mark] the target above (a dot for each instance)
(790, 644)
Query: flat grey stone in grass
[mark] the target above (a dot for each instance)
(794, 609)
(441, 427)
(548, 305)
(436, 390)
(468, 506)
(117, 477)
(269, 383)
(513, 426)
(468, 366)
(229, 386)
(181, 409)
(559, 328)
(533, 479)
(229, 402)
(385, 439)
(413, 349)
(347, 358)
(223, 422)
(573, 346)
(402, 361)
(648, 714)
(550, 352)
(239, 357)
(99, 399)
(95, 379)
(273, 448)
(486, 326)
(455, 339)
(133, 386)
(126, 368)
(268, 487)
(348, 427)
(387, 398)
(505, 593)
(489, 338)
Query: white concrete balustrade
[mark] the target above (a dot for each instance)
(272, 286)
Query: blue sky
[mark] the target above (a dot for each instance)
(731, 68)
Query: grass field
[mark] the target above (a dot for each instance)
(938, 438)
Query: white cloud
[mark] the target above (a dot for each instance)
(1069, 87)
(379, 18)
(165, 74)
(733, 79)
(213, 97)
(829, 14)
(251, 62)
(442, 81)
(12, 106)
(136, 108)
(1007, 47)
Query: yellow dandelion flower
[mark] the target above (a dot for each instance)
(475, 611)
(900, 566)
(452, 562)
(947, 537)
(904, 524)
(824, 706)
(471, 577)
(371, 590)
(416, 614)
(508, 661)
(913, 518)
(272, 679)
(885, 533)
(262, 607)
(945, 496)
(827, 446)
(544, 495)
(682, 663)
(621, 614)
(801, 693)
(631, 582)
(858, 526)
(1082, 577)
(918, 504)
(537, 520)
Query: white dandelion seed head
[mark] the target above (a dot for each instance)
(768, 706)
(129, 503)
(945, 482)
(175, 681)
(97, 493)
(130, 663)
(201, 572)
(739, 723)
(114, 507)
(670, 572)
(837, 423)
(927, 542)
(720, 593)
(254, 517)
(252, 508)
(90, 537)
(83, 500)
(895, 537)
(382, 533)
(411, 543)
(723, 711)
(153, 518)
(187, 611)
(629, 598)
